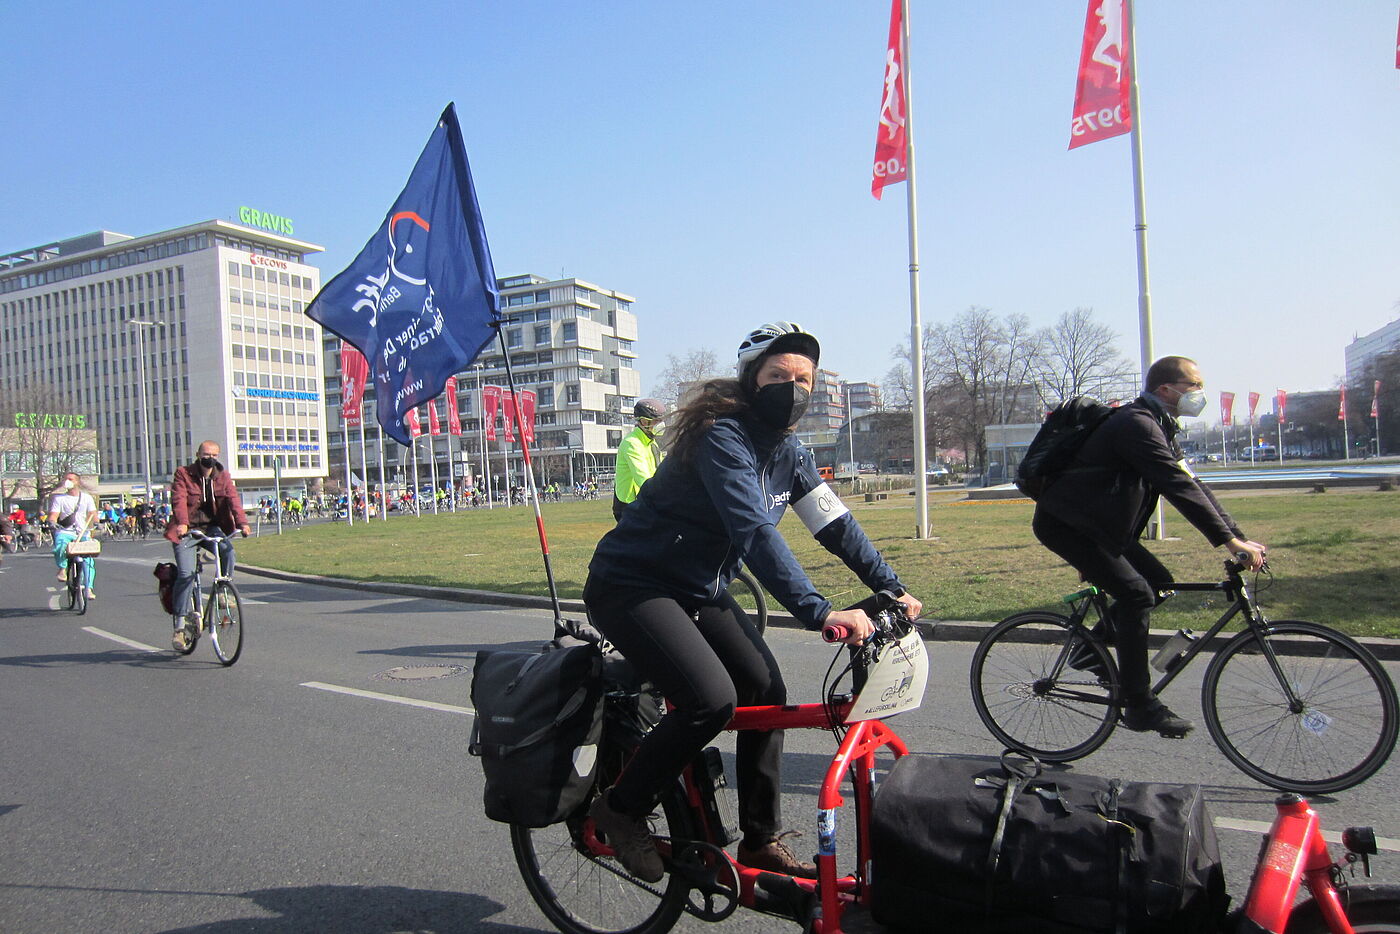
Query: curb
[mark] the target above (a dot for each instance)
(944, 630)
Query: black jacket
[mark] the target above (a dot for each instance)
(693, 524)
(1119, 473)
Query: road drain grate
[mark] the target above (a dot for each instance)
(420, 672)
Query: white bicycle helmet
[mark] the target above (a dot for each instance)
(777, 337)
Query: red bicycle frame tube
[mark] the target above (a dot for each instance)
(1295, 853)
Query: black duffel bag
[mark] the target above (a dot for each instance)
(987, 846)
(538, 719)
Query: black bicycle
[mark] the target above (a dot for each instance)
(221, 615)
(75, 581)
(1292, 704)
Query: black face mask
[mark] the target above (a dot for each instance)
(780, 405)
(208, 462)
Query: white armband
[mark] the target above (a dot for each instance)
(819, 508)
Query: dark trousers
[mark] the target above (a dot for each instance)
(1132, 579)
(705, 662)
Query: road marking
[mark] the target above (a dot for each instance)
(1331, 836)
(130, 643)
(391, 698)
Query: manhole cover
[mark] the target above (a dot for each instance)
(420, 672)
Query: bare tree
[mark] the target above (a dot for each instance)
(44, 439)
(694, 366)
(1079, 356)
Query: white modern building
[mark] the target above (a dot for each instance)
(570, 341)
(1362, 351)
(230, 356)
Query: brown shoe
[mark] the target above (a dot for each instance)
(774, 856)
(630, 839)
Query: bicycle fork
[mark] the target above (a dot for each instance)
(1295, 854)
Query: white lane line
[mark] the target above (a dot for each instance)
(130, 643)
(1331, 836)
(391, 698)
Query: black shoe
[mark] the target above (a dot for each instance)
(1155, 717)
(1085, 658)
(630, 839)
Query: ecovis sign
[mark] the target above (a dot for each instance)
(274, 222)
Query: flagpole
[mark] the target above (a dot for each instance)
(349, 489)
(432, 467)
(417, 506)
(481, 434)
(916, 328)
(530, 485)
(383, 487)
(1146, 355)
(364, 465)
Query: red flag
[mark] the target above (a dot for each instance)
(525, 398)
(434, 426)
(1281, 401)
(1227, 408)
(508, 414)
(1253, 404)
(490, 401)
(454, 420)
(891, 143)
(1342, 406)
(1376, 401)
(354, 370)
(1397, 47)
(415, 428)
(1102, 92)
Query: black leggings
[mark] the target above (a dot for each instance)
(705, 662)
(1132, 579)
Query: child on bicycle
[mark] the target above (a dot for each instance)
(657, 588)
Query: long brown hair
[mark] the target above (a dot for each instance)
(716, 399)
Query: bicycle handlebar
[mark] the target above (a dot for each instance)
(875, 606)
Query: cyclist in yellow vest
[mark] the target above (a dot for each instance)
(637, 455)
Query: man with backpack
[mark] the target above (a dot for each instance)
(1093, 512)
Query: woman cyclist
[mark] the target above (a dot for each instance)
(72, 513)
(657, 588)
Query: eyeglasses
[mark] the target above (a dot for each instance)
(1196, 385)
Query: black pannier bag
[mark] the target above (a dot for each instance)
(538, 719)
(983, 847)
(165, 573)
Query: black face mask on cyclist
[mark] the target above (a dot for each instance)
(780, 405)
(208, 462)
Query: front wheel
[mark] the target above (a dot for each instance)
(1339, 732)
(746, 592)
(1371, 909)
(77, 588)
(223, 617)
(581, 891)
(1029, 696)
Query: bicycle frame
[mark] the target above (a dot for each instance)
(1294, 854)
(855, 754)
(1234, 587)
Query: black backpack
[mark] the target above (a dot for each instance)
(1059, 439)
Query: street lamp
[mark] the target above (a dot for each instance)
(145, 417)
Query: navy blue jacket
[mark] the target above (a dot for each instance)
(693, 524)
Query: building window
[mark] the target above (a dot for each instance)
(514, 338)
(546, 395)
(569, 331)
(541, 334)
(571, 394)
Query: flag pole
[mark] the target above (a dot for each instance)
(379, 447)
(1146, 354)
(432, 460)
(349, 487)
(916, 328)
(530, 485)
(364, 466)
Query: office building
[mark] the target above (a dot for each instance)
(570, 341)
(826, 411)
(230, 356)
(1362, 352)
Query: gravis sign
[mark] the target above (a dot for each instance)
(255, 218)
(49, 420)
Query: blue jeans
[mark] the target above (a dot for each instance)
(61, 538)
(185, 562)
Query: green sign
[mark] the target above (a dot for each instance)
(46, 420)
(255, 218)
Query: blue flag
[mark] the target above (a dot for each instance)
(420, 301)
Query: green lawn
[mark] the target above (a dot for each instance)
(1333, 555)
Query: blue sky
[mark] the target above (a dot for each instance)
(713, 158)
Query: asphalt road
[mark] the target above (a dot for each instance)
(322, 783)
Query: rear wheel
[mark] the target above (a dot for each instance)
(746, 592)
(223, 617)
(1338, 734)
(77, 592)
(1030, 698)
(581, 891)
(1371, 909)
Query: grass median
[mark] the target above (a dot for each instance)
(1333, 555)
